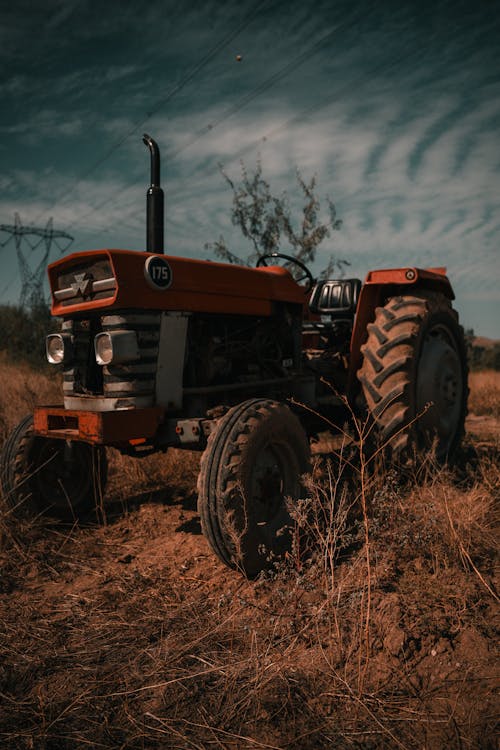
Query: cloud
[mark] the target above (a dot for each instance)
(391, 209)
(61, 11)
(397, 113)
(47, 123)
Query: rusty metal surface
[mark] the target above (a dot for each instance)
(196, 286)
(99, 428)
(411, 276)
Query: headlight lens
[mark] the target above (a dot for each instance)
(58, 348)
(115, 347)
(103, 347)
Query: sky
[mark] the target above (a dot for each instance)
(394, 106)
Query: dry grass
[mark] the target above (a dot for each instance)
(484, 398)
(377, 632)
(22, 389)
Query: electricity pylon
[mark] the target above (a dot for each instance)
(32, 279)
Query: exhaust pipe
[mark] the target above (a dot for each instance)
(154, 201)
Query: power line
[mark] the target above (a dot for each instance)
(261, 88)
(236, 107)
(158, 105)
(325, 102)
(247, 98)
(300, 116)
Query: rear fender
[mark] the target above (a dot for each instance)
(378, 287)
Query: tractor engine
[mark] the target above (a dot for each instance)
(223, 350)
(117, 361)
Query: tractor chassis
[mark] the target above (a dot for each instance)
(141, 431)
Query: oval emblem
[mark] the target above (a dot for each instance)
(157, 272)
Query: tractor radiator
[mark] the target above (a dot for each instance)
(123, 385)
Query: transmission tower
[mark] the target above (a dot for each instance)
(32, 278)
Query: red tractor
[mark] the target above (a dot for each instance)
(160, 351)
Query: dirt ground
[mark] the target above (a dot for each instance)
(379, 631)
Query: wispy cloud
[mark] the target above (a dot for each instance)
(398, 114)
(47, 123)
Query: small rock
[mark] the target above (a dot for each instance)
(126, 559)
(394, 640)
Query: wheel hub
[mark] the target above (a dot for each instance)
(267, 485)
(439, 388)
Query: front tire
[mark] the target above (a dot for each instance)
(414, 374)
(253, 462)
(60, 478)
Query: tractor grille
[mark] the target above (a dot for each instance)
(127, 381)
(85, 282)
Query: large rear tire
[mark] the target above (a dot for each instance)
(253, 462)
(60, 478)
(414, 374)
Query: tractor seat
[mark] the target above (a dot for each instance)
(336, 299)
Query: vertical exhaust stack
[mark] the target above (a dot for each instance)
(154, 201)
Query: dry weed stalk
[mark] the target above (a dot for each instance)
(365, 464)
(96, 652)
(466, 557)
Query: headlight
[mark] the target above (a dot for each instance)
(59, 348)
(103, 348)
(115, 347)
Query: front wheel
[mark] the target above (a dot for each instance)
(253, 463)
(62, 478)
(414, 374)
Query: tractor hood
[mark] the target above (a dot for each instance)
(126, 279)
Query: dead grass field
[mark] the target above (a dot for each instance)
(21, 390)
(378, 632)
(485, 393)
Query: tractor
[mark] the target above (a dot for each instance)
(159, 351)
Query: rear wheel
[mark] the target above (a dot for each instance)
(414, 374)
(58, 477)
(253, 462)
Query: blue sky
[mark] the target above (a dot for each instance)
(395, 106)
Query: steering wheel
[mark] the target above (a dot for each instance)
(306, 274)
